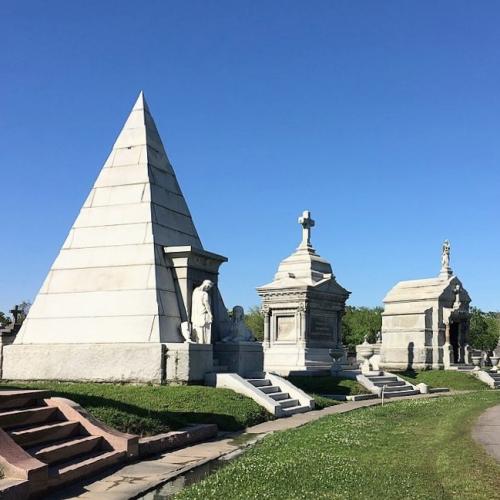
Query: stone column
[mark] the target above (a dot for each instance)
(302, 312)
(339, 327)
(267, 326)
(447, 346)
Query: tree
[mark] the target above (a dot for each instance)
(4, 320)
(24, 308)
(484, 330)
(358, 322)
(255, 321)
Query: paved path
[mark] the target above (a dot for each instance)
(138, 478)
(486, 431)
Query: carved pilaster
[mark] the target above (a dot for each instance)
(267, 325)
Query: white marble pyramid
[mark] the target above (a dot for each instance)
(109, 282)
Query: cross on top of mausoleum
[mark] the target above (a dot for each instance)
(307, 223)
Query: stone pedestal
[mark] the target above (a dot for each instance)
(5, 340)
(126, 362)
(243, 358)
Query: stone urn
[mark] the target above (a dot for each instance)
(494, 362)
(365, 350)
(337, 353)
(476, 361)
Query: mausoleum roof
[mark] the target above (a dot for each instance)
(426, 290)
(305, 268)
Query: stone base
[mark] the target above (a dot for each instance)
(417, 358)
(292, 359)
(187, 362)
(243, 358)
(135, 362)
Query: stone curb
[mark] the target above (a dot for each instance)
(160, 443)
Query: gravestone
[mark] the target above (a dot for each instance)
(303, 308)
(113, 302)
(425, 323)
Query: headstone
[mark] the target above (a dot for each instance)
(303, 308)
(113, 302)
(425, 323)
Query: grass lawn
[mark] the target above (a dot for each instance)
(414, 449)
(316, 386)
(146, 410)
(445, 378)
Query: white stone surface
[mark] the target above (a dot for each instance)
(110, 281)
(302, 309)
(137, 362)
(418, 317)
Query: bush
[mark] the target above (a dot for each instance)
(358, 322)
(484, 330)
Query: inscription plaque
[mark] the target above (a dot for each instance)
(285, 328)
(322, 326)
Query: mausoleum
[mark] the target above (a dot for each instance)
(303, 308)
(425, 323)
(117, 303)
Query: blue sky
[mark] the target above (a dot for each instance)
(382, 118)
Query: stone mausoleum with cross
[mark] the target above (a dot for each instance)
(303, 308)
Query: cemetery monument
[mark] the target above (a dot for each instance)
(425, 323)
(303, 308)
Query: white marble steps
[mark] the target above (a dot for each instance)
(496, 377)
(393, 386)
(289, 406)
(36, 424)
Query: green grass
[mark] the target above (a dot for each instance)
(316, 387)
(414, 449)
(147, 410)
(454, 380)
(327, 385)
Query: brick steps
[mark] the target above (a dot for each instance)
(24, 417)
(83, 466)
(65, 450)
(59, 439)
(47, 433)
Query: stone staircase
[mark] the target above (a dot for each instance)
(274, 393)
(289, 406)
(51, 437)
(392, 385)
(496, 377)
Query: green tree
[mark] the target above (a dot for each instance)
(358, 322)
(255, 321)
(484, 330)
(4, 320)
(24, 308)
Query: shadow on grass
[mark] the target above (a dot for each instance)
(127, 417)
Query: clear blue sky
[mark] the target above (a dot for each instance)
(382, 118)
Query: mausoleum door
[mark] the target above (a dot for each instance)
(455, 342)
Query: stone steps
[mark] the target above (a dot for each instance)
(25, 417)
(399, 394)
(392, 386)
(289, 406)
(65, 450)
(20, 399)
(83, 466)
(55, 431)
(40, 428)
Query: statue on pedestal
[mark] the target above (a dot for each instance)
(201, 313)
(239, 330)
(445, 255)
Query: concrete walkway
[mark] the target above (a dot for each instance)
(138, 478)
(486, 431)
